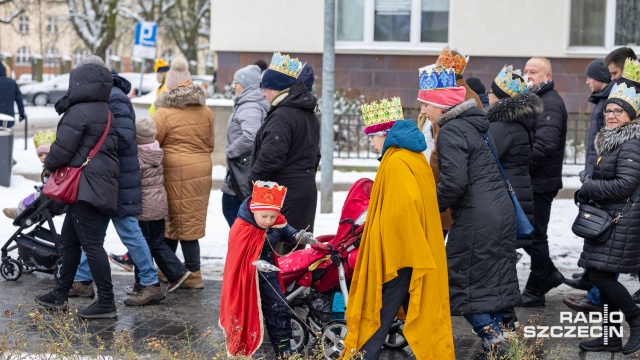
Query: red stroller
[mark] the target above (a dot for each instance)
(317, 279)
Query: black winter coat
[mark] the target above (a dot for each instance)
(550, 137)
(83, 123)
(512, 121)
(597, 123)
(129, 183)
(616, 176)
(287, 150)
(9, 93)
(481, 247)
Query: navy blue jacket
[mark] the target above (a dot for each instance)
(129, 183)
(597, 123)
(9, 93)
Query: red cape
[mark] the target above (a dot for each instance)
(240, 310)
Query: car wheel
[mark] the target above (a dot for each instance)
(41, 99)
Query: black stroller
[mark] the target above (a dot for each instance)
(39, 248)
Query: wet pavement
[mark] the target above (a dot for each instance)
(186, 313)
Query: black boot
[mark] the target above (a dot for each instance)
(530, 298)
(100, 309)
(633, 343)
(579, 283)
(56, 299)
(614, 342)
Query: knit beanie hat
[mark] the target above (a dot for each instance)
(179, 73)
(160, 66)
(92, 59)
(145, 130)
(476, 85)
(248, 76)
(598, 71)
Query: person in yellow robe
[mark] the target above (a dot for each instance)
(402, 260)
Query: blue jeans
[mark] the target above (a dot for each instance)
(129, 232)
(487, 326)
(230, 206)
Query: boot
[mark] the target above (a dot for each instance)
(100, 309)
(530, 298)
(633, 343)
(179, 282)
(194, 282)
(614, 343)
(150, 295)
(162, 277)
(579, 283)
(80, 290)
(56, 299)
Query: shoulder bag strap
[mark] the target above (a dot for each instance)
(495, 156)
(630, 203)
(96, 148)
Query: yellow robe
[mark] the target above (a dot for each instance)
(403, 230)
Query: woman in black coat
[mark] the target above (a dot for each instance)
(81, 127)
(615, 178)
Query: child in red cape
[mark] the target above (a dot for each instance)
(248, 294)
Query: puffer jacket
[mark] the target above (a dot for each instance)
(287, 150)
(249, 111)
(129, 193)
(512, 121)
(597, 123)
(185, 133)
(9, 94)
(481, 246)
(154, 195)
(81, 127)
(616, 175)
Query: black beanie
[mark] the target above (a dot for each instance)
(623, 104)
(476, 85)
(598, 71)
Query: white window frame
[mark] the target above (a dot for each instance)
(52, 25)
(22, 57)
(413, 45)
(23, 25)
(50, 55)
(609, 34)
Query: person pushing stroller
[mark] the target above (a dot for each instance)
(253, 236)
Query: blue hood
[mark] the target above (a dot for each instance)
(405, 134)
(245, 214)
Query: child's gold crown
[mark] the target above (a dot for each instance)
(382, 112)
(631, 70)
(44, 138)
(286, 65)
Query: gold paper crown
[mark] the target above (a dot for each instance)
(44, 138)
(506, 82)
(382, 112)
(627, 94)
(631, 70)
(286, 65)
(448, 60)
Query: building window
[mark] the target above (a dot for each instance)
(51, 57)
(79, 54)
(22, 56)
(23, 25)
(392, 23)
(604, 23)
(52, 26)
(110, 57)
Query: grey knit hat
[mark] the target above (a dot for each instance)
(145, 131)
(92, 59)
(248, 75)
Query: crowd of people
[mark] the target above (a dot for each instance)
(151, 178)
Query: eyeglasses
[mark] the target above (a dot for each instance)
(615, 112)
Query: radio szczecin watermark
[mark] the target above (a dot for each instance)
(592, 325)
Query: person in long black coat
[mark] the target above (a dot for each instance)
(615, 178)
(9, 94)
(286, 148)
(84, 121)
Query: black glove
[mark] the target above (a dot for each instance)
(23, 117)
(584, 176)
(579, 198)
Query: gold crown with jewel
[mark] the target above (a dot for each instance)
(286, 65)
(457, 62)
(382, 112)
(631, 70)
(44, 138)
(625, 91)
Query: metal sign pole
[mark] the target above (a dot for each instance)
(26, 129)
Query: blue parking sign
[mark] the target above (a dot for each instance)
(146, 34)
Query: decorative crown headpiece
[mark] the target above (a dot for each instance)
(457, 62)
(631, 70)
(627, 94)
(267, 195)
(376, 114)
(433, 77)
(506, 82)
(44, 138)
(286, 65)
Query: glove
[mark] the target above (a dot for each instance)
(579, 198)
(23, 117)
(584, 176)
(265, 266)
(305, 238)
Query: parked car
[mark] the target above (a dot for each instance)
(46, 92)
(149, 81)
(206, 81)
(28, 78)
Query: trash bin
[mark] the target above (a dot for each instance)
(6, 150)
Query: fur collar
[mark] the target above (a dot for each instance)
(524, 109)
(182, 96)
(457, 110)
(609, 139)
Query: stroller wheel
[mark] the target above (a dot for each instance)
(25, 268)
(11, 269)
(300, 334)
(395, 340)
(332, 338)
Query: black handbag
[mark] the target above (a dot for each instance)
(238, 169)
(595, 224)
